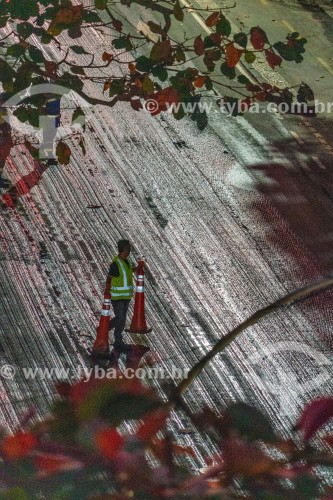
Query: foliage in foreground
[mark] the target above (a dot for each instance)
(78, 452)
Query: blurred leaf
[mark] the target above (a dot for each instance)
(314, 416)
(18, 445)
(109, 442)
(244, 459)
(249, 422)
(16, 50)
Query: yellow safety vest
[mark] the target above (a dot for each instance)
(122, 286)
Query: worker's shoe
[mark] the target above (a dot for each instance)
(120, 346)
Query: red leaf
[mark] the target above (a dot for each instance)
(164, 98)
(245, 459)
(19, 445)
(152, 424)
(213, 19)
(233, 55)
(118, 25)
(314, 416)
(198, 46)
(109, 442)
(273, 59)
(258, 38)
(136, 104)
(106, 57)
(199, 81)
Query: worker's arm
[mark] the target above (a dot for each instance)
(113, 272)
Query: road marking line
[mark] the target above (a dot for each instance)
(296, 137)
(209, 31)
(325, 64)
(288, 26)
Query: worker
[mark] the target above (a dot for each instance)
(120, 283)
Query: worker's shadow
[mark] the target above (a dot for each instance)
(118, 360)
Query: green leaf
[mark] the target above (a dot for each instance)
(27, 114)
(209, 84)
(36, 55)
(91, 17)
(46, 38)
(101, 4)
(75, 31)
(249, 422)
(23, 9)
(25, 29)
(78, 49)
(71, 81)
(117, 87)
(202, 120)
(227, 71)
(16, 50)
(77, 70)
(178, 11)
(78, 113)
(241, 39)
(180, 56)
(208, 42)
(223, 27)
(16, 493)
(3, 21)
(143, 63)
(122, 43)
(250, 57)
(179, 114)
(243, 79)
(160, 72)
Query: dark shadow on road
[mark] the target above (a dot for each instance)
(301, 191)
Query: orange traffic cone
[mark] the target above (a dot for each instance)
(101, 344)
(139, 324)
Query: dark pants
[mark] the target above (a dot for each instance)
(120, 308)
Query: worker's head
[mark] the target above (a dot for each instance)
(124, 248)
